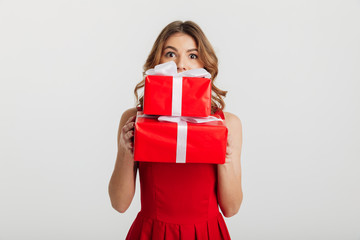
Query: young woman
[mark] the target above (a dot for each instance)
(180, 201)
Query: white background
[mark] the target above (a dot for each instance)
(68, 70)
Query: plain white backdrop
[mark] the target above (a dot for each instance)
(68, 70)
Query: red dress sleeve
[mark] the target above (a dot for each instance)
(219, 113)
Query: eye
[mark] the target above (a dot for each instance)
(193, 56)
(170, 54)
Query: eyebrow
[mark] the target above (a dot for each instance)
(173, 48)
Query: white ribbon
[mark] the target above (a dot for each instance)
(188, 119)
(176, 96)
(170, 69)
(181, 141)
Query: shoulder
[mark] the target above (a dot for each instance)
(232, 120)
(233, 123)
(234, 126)
(127, 114)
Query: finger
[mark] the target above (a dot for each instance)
(227, 158)
(228, 151)
(128, 126)
(133, 118)
(127, 121)
(129, 134)
(129, 146)
(130, 119)
(228, 139)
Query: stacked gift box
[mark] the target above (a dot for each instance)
(176, 123)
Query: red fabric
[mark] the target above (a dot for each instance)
(178, 201)
(220, 114)
(156, 141)
(196, 96)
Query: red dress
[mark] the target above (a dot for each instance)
(178, 201)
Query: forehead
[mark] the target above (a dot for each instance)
(181, 41)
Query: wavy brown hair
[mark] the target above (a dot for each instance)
(206, 55)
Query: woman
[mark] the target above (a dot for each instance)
(180, 201)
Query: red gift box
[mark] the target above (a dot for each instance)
(161, 141)
(177, 96)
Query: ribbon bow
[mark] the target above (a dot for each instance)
(170, 69)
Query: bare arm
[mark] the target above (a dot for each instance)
(122, 183)
(230, 193)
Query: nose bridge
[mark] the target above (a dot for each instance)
(181, 63)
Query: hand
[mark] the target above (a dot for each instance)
(127, 135)
(228, 148)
